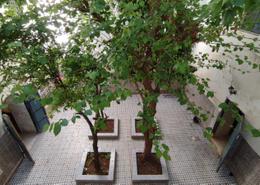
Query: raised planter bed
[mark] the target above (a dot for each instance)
(151, 171)
(85, 174)
(135, 132)
(110, 132)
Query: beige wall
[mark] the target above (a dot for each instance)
(247, 85)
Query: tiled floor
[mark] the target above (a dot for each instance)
(193, 161)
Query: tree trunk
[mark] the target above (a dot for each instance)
(95, 149)
(94, 144)
(151, 108)
(148, 146)
(148, 140)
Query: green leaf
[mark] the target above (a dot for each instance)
(100, 124)
(64, 122)
(57, 128)
(207, 133)
(201, 88)
(51, 127)
(78, 106)
(204, 117)
(74, 118)
(239, 38)
(15, 44)
(193, 80)
(88, 112)
(142, 127)
(165, 147)
(93, 75)
(166, 156)
(249, 128)
(46, 101)
(43, 60)
(98, 5)
(158, 151)
(210, 94)
(182, 67)
(239, 61)
(29, 89)
(255, 66)
(255, 132)
(223, 106)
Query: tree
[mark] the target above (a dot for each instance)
(75, 76)
(150, 43)
(147, 42)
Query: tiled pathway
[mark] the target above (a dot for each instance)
(193, 161)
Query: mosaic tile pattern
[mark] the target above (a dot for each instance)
(193, 161)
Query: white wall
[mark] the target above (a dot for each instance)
(21, 116)
(247, 85)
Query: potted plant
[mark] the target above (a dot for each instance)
(93, 79)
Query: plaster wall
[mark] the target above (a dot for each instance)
(21, 116)
(247, 85)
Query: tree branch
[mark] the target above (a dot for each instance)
(139, 90)
(91, 126)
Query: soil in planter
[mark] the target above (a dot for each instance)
(137, 122)
(109, 127)
(150, 167)
(104, 159)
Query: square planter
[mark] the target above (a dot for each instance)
(137, 178)
(109, 135)
(82, 179)
(134, 133)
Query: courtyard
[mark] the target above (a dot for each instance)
(129, 92)
(193, 160)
